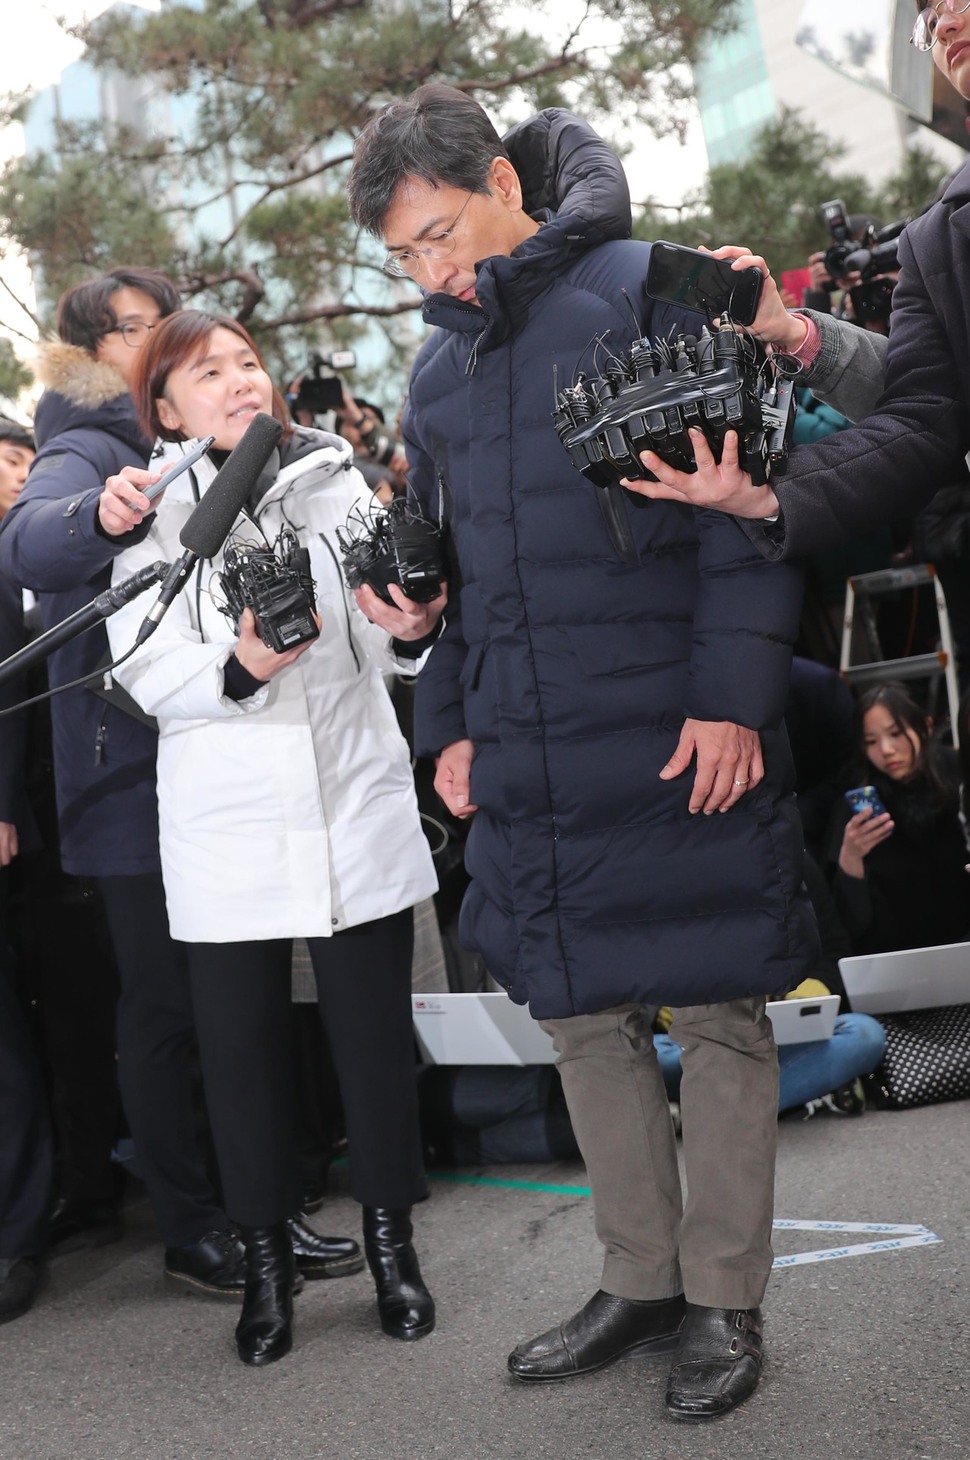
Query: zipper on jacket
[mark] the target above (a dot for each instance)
(343, 599)
(472, 360)
(442, 497)
(101, 737)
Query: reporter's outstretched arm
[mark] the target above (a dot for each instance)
(849, 370)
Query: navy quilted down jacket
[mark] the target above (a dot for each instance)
(572, 670)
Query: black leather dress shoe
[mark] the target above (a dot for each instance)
(76, 1225)
(604, 1330)
(323, 1257)
(214, 1266)
(717, 1364)
(21, 1279)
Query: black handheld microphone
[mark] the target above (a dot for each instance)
(85, 618)
(211, 522)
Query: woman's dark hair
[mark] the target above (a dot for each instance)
(181, 338)
(934, 786)
(85, 313)
(438, 134)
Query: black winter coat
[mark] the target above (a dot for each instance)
(104, 758)
(571, 670)
(889, 467)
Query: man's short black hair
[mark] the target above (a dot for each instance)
(16, 434)
(437, 134)
(85, 313)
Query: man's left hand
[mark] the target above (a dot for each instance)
(723, 486)
(8, 843)
(729, 763)
(408, 620)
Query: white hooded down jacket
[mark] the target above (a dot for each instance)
(291, 813)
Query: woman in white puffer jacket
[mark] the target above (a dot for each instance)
(287, 809)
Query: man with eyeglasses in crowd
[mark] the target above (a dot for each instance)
(60, 538)
(604, 702)
(910, 393)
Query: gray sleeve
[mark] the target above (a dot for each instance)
(849, 371)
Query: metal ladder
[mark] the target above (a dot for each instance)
(941, 663)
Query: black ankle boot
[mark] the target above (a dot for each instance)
(264, 1332)
(404, 1303)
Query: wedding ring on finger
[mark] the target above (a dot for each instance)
(740, 783)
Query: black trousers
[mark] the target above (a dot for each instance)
(26, 1150)
(157, 1060)
(67, 972)
(241, 995)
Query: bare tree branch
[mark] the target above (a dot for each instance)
(276, 187)
(255, 288)
(339, 311)
(29, 313)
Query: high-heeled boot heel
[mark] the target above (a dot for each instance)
(405, 1306)
(264, 1332)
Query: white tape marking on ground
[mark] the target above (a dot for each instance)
(896, 1235)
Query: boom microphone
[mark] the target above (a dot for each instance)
(85, 618)
(211, 522)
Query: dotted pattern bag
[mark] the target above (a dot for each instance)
(927, 1057)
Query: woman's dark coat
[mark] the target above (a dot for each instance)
(13, 728)
(572, 670)
(104, 758)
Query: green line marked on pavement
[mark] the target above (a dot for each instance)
(892, 1235)
(460, 1180)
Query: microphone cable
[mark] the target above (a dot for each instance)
(85, 680)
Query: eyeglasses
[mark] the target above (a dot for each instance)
(924, 31)
(407, 261)
(136, 333)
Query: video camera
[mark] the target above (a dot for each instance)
(873, 256)
(647, 399)
(276, 583)
(318, 393)
(393, 545)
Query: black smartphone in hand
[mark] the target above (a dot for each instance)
(695, 280)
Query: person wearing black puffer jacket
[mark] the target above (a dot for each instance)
(605, 701)
(58, 540)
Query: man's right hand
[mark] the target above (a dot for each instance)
(453, 776)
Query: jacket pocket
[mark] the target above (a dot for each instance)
(626, 647)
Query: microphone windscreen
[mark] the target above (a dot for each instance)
(211, 522)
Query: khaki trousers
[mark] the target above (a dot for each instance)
(716, 1247)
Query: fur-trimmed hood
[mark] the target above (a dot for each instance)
(80, 391)
(78, 376)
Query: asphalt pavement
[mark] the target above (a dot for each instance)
(867, 1334)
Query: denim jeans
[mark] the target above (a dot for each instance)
(807, 1071)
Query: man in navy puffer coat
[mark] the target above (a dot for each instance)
(606, 699)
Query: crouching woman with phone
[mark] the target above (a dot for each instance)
(900, 879)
